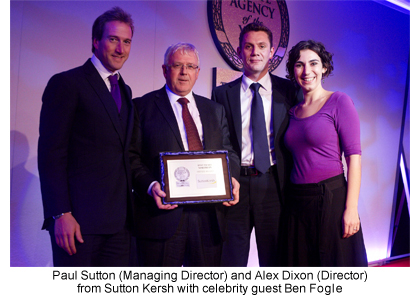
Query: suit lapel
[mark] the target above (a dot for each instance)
(233, 95)
(203, 114)
(96, 82)
(130, 123)
(162, 102)
(279, 110)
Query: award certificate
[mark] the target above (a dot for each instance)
(196, 177)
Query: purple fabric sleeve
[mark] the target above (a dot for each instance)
(317, 142)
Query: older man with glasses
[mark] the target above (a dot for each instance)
(174, 119)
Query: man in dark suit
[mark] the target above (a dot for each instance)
(175, 235)
(261, 185)
(83, 146)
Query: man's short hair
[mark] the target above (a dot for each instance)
(184, 47)
(114, 14)
(255, 27)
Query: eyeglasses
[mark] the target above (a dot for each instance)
(178, 66)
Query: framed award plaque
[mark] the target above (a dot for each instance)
(195, 177)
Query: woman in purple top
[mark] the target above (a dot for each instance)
(322, 220)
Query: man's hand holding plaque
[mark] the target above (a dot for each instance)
(158, 194)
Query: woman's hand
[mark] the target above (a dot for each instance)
(351, 222)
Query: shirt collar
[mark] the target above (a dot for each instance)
(265, 82)
(174, 97)
(104, 73)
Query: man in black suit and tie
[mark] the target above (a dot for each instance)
(256, 106)
(175, 235)
(86, 124)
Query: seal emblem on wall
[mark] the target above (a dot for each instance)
(226, 19)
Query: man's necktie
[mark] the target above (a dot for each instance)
(115, 90)
(194, 142)
(260, 141)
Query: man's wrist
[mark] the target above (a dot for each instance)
(150, 188)
(60, 215)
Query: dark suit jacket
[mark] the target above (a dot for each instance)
(284, 95)
(83, 151)
(156, 130)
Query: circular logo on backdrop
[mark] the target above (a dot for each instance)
(226, 19)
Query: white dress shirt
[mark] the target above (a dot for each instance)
(246, 101)
(193, 110)
(177, 108)
(104, 73)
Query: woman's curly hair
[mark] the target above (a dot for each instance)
(318, 48)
